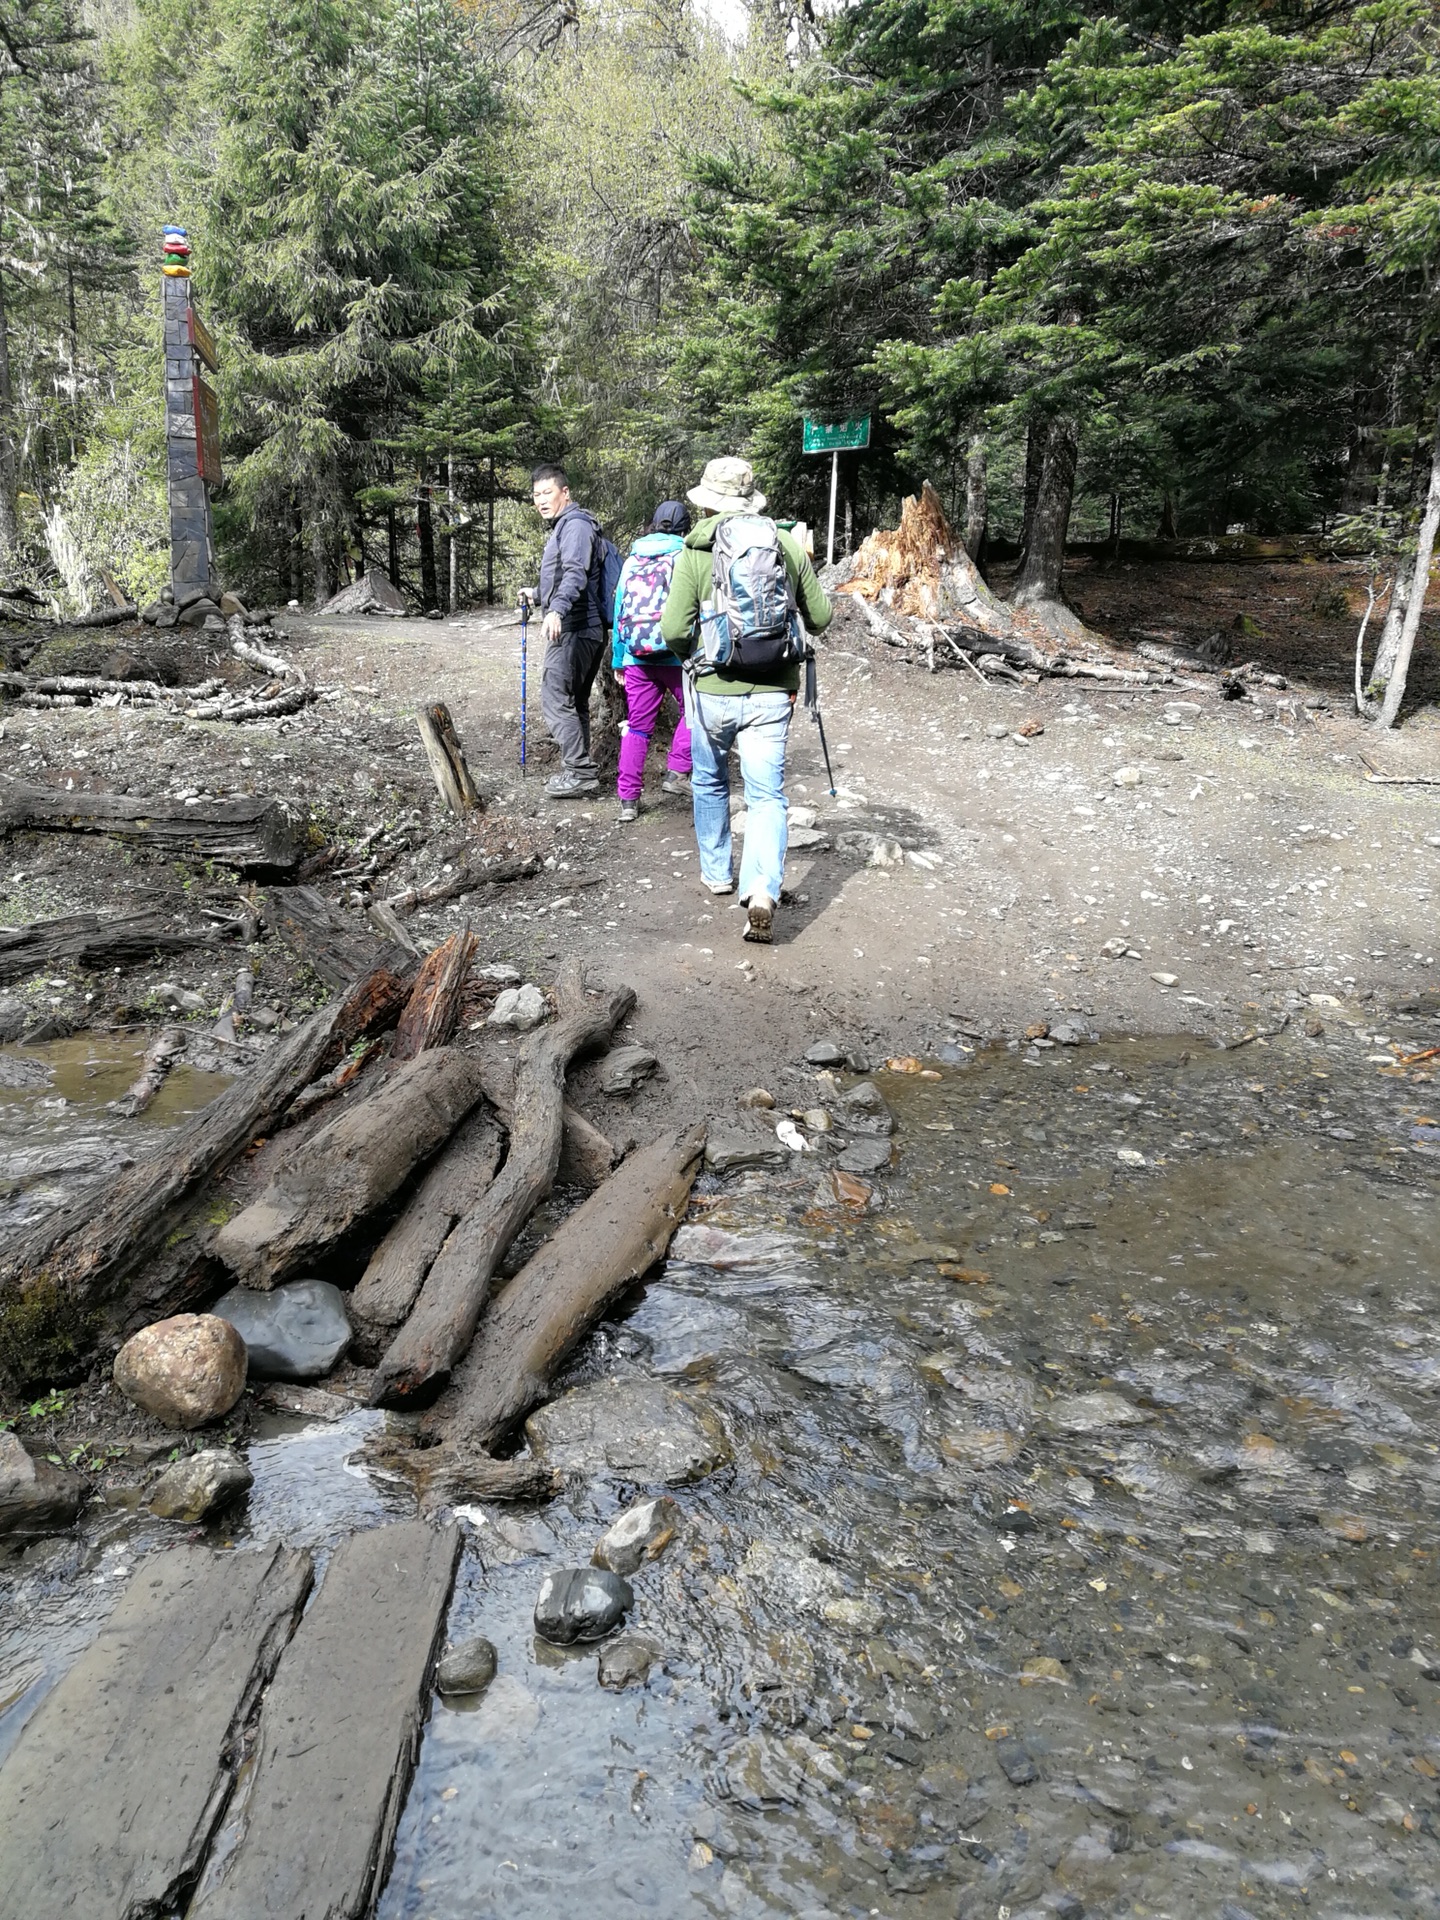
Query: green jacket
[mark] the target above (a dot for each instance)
(691, 583)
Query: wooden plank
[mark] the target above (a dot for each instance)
(315, 1833)
(114, 1789)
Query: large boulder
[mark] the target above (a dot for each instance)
(637, 1430)
(35, 1497)
(185, 1370)
(200, 1484)
(296, 1332)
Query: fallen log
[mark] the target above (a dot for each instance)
(443, 1323)
(244, 833)
(599, 1250)
(433, 1008)
(95, 940)
(160, 1056)
(444, 1476)
(466, 880)
(263, 662)
(586, 1156)
(288, 700)
(94, 684)
(351, 1166)
(331, 943)
(447, 758)
(81, 1254)
(390, 1284)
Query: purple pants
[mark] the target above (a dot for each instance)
(645, 691)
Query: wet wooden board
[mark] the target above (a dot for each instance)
(339, 1733)
(113, 1791)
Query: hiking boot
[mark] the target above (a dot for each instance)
(571, 786)
(629, 810)
(677, 784)
(718, 886)
(760, 920)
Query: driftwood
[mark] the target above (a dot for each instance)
(598, 1251)
(333, 944)
(586, 1156)
(351, 1166)
(433, 1008)
(451, 886)
(445, 1476)
(443, 1323)
(95, 940)
(397, 1269)
(447, 758)
(241, 833)
(160, 1056)
(88, 1247)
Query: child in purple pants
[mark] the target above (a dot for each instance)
(647, 668)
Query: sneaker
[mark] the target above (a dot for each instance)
(718, 886)
(629, 810)
(677, 784)
(570, 786)
(760, 920)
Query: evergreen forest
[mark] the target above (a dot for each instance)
(1095, 272)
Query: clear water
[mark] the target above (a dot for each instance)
(1201, 1607)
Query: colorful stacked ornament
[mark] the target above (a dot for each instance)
(175, 254)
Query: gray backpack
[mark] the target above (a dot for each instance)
(751, 623)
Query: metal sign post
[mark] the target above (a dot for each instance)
(835, 437)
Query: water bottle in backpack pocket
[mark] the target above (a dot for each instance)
(751, 623)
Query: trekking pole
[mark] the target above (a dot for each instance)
(524, 640)
(812, 701)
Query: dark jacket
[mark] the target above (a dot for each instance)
(570, 571)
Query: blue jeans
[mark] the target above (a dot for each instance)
(755, 725)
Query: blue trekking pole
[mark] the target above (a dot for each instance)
(524, 648)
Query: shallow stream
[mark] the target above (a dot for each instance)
(1077, 1555)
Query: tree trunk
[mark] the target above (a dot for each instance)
(446, 757)
(336, 945)
(94, 940)
(321, 558)
(606, 1244)
(1167, 519)
(433, 1008)
(9, 482)
(1388, 645)
(86, 1249)
(443, 1324)
(297, 553)
(350, 1167)
(1037, 433)
(1039, 582)
(1419, 582)
(239, 833)
(452, 599)
(977, 497)
(425, 527)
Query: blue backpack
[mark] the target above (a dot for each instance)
(644, 583)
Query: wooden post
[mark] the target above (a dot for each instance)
(447, 758)
(192, 534)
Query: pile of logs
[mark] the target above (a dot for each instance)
(370, 1141)
(919, 589)
(286, 692)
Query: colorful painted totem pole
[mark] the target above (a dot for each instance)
(192, 423)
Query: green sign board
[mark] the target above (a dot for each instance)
(837, 436)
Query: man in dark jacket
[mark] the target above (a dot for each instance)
(572, 629)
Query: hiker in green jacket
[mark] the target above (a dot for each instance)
(752, 617)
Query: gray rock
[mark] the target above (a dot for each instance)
(641, 1533)
(167, 617)
(468, 1668)
(581, 1603)
(624, 1068)
(997, 730)
(1072, 1033)
(862, 1109)
(200, 1484)
(1016, 1762)
(1094, 1412)
(35, 1496)
(627, 1659)
(639, 1430)
(183, 999)
(198, 612)
(825, 1053)
(521, 1008)
(727, 1150)
(297, 1332)
(865, 1156)
(152, 613)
